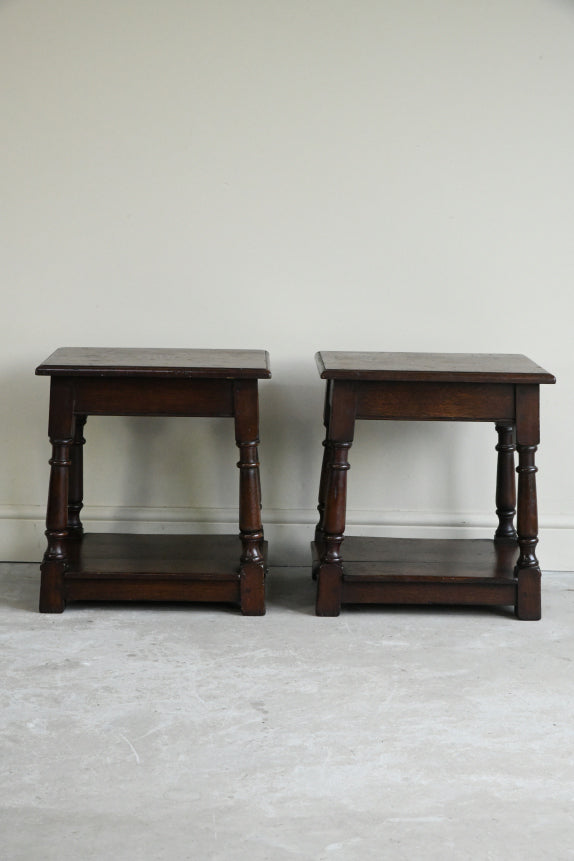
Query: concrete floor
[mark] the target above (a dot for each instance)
(194, 733)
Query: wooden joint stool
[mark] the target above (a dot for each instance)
(130, 382)
(503, 389)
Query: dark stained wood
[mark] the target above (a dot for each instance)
(252, 585)
(76, 483)
(246, 408)
(329, 589)
(336, 501)
(327, 456)
(453, 557)
(527, 508)
(437, 591)
(339, 419)
(428, 571)
(528, 571)
(528, 597)
(170, 568)
(431, 367)
(112, 555)
(436, 387)
(430, 401)
(119, 567)
(527, 567)
(340, 429)
(61, 431)
(178, 590)
(528, 415)
(505, 483)
(126, 361)
(159, 397)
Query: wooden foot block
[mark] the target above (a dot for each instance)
(329, 590)
(528, 600)
(52, 588)
(252, 590)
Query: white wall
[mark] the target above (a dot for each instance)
(292, 176)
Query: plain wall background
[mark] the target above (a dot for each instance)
(293, 176)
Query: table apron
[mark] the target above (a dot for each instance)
(435, 401)
(136, 397)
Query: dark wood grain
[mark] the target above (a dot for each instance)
(76, 482)
(425, 557)
(120, 567)
(137, 396)
(430, 401)
(429, 367)
(126, 361)
(527, 438)
(128, 382)
(505, 482)
(431, 387)
(246, 410)
(327, 455)
(427, 571)
(61, 431)
(115, 555)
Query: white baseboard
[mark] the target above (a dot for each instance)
(288, 531)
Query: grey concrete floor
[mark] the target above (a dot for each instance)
(176, 732)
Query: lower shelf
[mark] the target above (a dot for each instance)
(427, 571)
(110, 567)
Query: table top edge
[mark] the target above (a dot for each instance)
(534, 374)
(258, 366)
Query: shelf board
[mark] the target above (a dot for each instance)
(428, 571)
(122, 567)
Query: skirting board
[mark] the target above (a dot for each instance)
(288, 532)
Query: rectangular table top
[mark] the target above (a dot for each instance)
(132, 362)
(431, 367)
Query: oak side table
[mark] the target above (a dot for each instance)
(149, 382)
(503, 389)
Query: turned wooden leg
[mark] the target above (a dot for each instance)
(528, 569)
(330, 574)
(252, 563)
(76, 483)
(327, 454)
(319, 529)
(340, 437)
(52, 599)
(505, 482)
(528, 599)
(324, 472)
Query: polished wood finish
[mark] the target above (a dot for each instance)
(505, 482)
(426, 401)
(76, 480)
(130, 362)
(431, 387)
(61, 432)
(527, 439)
(160, 397)
(432, 367)
(116, 567)
(152, 568)
(453, 571)
(327, 454)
